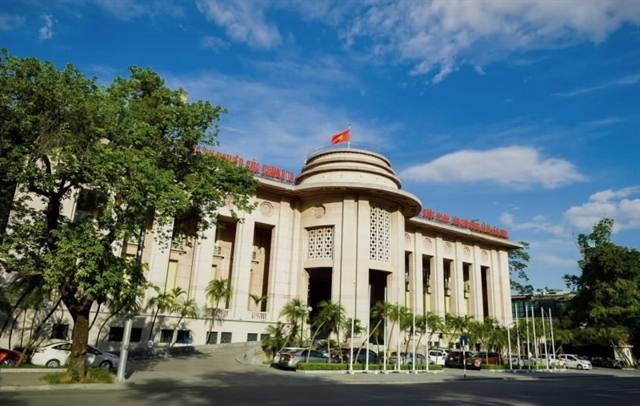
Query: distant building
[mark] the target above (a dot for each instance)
(342, 230)
(553, 301)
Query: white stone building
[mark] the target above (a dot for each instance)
(344, 225)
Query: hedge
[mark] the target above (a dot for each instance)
(323, 366)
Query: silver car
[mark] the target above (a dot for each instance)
(292, 359)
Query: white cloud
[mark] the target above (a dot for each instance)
(210, 42)
(9, 22)
(244, 21)
(538, 223)
(557, 261)
(614, 204)
(441, 35)
(46, 31)
(130, 9)
(624, 81)
(516, 167)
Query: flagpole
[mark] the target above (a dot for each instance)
(526, 316)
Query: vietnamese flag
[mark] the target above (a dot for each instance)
(344, 136)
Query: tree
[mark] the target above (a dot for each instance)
(161, 303)
(518, 260)
(276, 338)
(185, 308)
(607, 299)
(130, 149)
(331, 316)
(296, 312)
(218, 290)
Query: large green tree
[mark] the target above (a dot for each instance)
(129, 150)
(518, 262)
(607, 301)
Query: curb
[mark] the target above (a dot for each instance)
(71, 386)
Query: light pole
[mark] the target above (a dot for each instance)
(126, 335)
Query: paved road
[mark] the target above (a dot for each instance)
(218, 379)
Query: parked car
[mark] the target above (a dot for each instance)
(10, 357)
(56, 354)
(553, 361)
(285, 350)
(483, 358)
(290, 360)
(437, 357)
(420, 359)
(574, 361)
(455, 359)
(345, 353)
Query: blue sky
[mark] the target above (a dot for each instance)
(522, 114)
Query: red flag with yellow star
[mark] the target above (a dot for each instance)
(344, 136)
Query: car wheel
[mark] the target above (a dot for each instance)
(105, 364)
(9, 362)
(580, 366)
(53, 363)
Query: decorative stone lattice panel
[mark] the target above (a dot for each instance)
(320, 243)
(379, 231)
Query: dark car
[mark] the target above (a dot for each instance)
(455, 359)
(345, 354)
(10, 357)
(482, 358)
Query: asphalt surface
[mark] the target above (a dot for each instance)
(230, 366)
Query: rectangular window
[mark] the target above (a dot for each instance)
(116, 333)
(166, 335)
(252, 337)
(184, 337)
(136, 335)
(212, 337)
(60, 332)
(225, 338)
(264, 337)
(172, 272)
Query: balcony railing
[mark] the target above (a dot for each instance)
(258, 315)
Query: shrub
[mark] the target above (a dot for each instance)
(494, 367)
(94, 375)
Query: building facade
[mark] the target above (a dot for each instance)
(344, 230)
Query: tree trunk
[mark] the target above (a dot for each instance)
(153, 323)
(78, 356)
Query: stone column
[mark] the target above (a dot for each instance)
(241, 273)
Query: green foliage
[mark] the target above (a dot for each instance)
(518, 263)
(606, 307)
(129, 151)
(494, 367)
(94, 375)
(276, 339)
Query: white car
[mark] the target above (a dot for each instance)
(574, 361)
(437, 357)
(56, 354)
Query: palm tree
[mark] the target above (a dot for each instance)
(434, 324)
(276, 338)
(218, 290)
(331, 316)
(185, 308)
(162, 302)
(258, 300)
(296, 312)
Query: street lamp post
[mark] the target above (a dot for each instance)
(126, 335)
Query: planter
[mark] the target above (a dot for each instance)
(466, 294)
(447, 292)
(427, 289)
